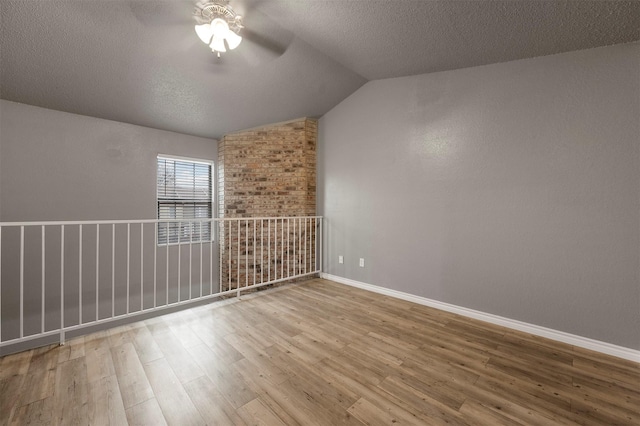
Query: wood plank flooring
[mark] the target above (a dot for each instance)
(316, 353)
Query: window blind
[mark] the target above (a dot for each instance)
(184, 191)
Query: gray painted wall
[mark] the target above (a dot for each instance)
(60, 166)
(512, 189)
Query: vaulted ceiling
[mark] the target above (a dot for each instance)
(140, 61)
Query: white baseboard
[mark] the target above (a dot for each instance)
(560, 336)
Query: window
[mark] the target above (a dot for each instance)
(184, 192)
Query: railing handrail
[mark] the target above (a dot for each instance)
(121, 221)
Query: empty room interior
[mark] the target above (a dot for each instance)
(319, 212)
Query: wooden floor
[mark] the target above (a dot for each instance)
(317, 353)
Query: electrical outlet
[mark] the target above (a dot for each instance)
(362, 262)
(340, 259)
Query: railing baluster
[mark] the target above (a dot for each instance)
(254, 252)
(246, 253)
(282, 250)
(97, 270)
(113, 270)
(155, 264)
(211, 241)
(320, 255)
(309, 243)
(141, 267)
(42, 270)
(288, 250)
(269, 245)
(299, 251)
(261, 250)
(21, 282)
(80, 274)
(190, 253)
(310, 240)
(128, 263)
(238, 261)
(62, 285)
(179, 261)
(166, 247)
(0, 284)
(219, 242)
(200, 258)
(229, 265)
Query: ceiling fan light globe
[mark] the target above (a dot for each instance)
(233, 40)
(220, 28)
(217, 44)
(205, 32)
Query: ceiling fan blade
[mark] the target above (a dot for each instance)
(246, 7)
(162, 12)
(261, 30)
(272, 45)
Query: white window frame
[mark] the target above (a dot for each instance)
(209, 163)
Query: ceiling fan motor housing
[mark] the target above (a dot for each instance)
(209, 11)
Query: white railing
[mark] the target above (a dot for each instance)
(58, 277)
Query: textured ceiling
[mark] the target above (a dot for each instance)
(140, 61)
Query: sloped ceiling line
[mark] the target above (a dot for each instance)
(140, 62)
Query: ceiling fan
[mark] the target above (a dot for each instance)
(218, 25)
(254, 37)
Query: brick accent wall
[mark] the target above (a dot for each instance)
(267, 172)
